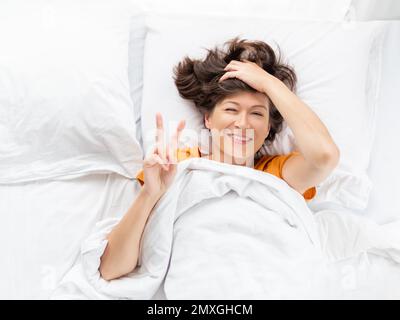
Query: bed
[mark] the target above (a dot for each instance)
(45, 221)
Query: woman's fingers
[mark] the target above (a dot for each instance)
(228, 75)
(168, 154)
(160, 136)
(180, 127)
(155, 159)
(173, 146)
(234, 65)
(160, 145)
(161, 162)
(178, 132)
(231, 68)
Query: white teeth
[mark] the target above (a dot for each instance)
(239, 138)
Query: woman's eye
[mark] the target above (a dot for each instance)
(258, 114)
(230, 109)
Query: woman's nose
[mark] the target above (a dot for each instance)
(242, 121)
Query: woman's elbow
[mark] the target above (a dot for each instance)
(107, 273)
(111, 271)
(329, 158)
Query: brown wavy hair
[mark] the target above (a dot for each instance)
(197, 80)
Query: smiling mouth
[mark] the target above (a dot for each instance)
(239, 139)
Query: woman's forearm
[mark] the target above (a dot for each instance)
(312, 137)
(121, 254)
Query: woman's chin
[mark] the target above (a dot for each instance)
(239, 158)
(243, 153)
(244, 161)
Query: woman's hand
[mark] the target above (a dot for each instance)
(160, 166)
(250, 73)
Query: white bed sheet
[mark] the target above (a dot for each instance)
(384, 205)
(43, 225)
(189, 231)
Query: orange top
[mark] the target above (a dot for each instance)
(270, 164)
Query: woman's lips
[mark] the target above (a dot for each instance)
(238, 139)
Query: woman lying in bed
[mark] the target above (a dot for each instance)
(244, 93)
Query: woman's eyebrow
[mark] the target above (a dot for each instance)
(260, 106)
(255, 106)
(234, 102)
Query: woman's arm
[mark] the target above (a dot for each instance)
(319, 154)
(312, 137)
(121, 254)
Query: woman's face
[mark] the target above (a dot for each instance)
(239, 125)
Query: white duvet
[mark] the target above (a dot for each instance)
(230, 232)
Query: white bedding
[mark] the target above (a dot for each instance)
(44, 223)
(64, 91)
(385, 156)
(229, 232)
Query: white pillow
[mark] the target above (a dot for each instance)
(384, 168)
(331, 61)
(65, 108)
(282, 9)
(137, 35)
